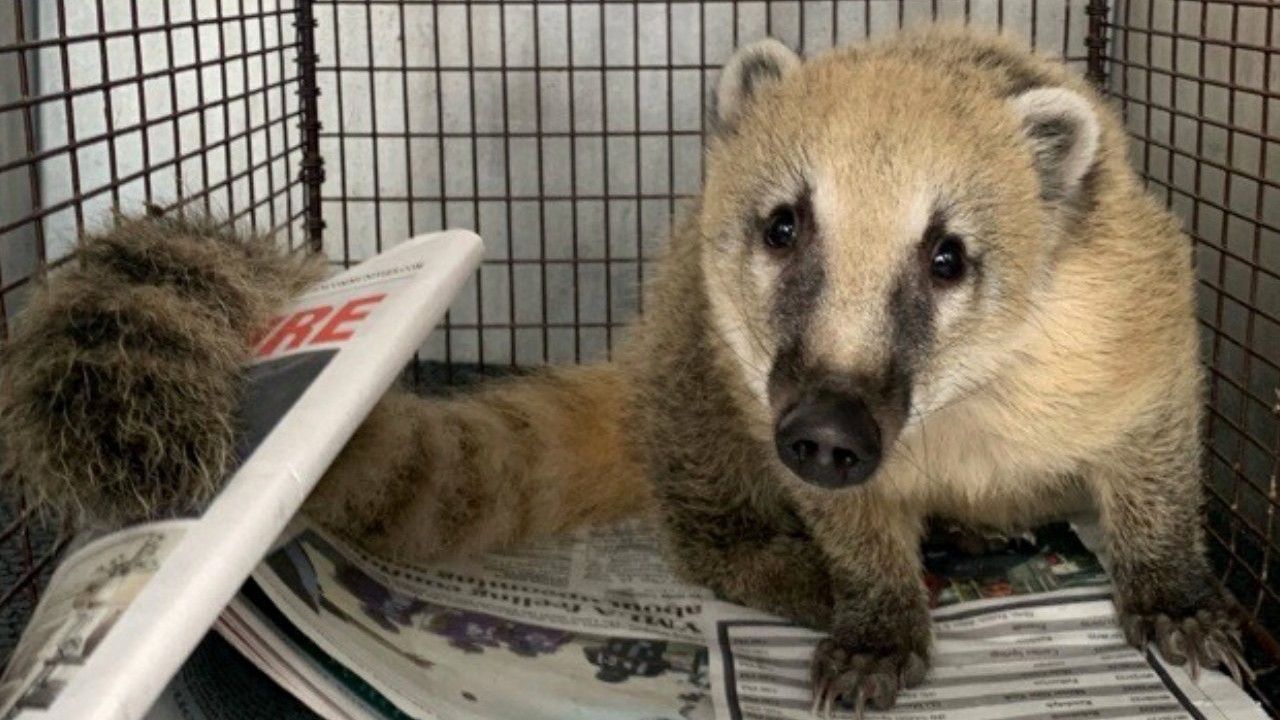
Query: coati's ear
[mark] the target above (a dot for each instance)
(751, 67)
(1063, 129)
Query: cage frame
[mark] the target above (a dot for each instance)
(1106, 46)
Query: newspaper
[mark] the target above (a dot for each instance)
(1016, 638)
(593, 627)
(84, 599)
(128, 607)
(598, 627)
(1047, 655)
(215, 685)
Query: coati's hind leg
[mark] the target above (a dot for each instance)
(1165, 592)
(881, 635)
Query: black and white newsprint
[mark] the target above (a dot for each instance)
(1055, 655)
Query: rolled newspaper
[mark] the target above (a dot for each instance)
(113, 630)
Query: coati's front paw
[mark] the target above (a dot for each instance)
(860, 679)
(1207, 637)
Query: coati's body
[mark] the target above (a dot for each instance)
(1059, 375)
(1054, 372)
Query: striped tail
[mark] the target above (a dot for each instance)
(517, 460)
(119, 384)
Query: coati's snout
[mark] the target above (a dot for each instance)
(829, 439)
(831, 428)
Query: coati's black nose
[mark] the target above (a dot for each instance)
(829, 439)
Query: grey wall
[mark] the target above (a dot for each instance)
(127, 150)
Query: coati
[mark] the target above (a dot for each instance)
(921, 280)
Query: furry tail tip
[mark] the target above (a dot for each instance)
(120, 382)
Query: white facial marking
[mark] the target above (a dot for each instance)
(733, 325)
(919, 212)
(828, 208)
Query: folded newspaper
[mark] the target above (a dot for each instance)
(121, 614)
(597, 626)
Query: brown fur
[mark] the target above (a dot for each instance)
(521, 459)
(119, 384)
(1068, 381)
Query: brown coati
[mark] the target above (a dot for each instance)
(921, 280)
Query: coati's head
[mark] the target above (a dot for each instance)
(874, 226)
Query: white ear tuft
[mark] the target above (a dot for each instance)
(752, 66)
(1064, 132)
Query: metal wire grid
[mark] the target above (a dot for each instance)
(1200, 86)
(569, 133)
(123, 104)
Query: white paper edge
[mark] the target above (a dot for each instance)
(126, 674)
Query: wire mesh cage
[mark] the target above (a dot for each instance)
(569, 135)
(1198, 83)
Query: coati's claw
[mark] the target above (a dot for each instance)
(860, 680)
(1209, 638)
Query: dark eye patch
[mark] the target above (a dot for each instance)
(948, 260)
(944, 261)
(782, 228)
(802, 277)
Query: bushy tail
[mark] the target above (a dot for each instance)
(119, 385)
(119, 389)
(516, 460)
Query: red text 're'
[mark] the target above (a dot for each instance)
(317, 325)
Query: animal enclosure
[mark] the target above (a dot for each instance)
(569, 135)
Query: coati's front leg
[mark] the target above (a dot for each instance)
(1164, 589)
(880, 636)
(746, 557)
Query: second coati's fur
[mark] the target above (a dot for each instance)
(1057, 374)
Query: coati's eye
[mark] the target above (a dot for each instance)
(947, 262)
(782, 228)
